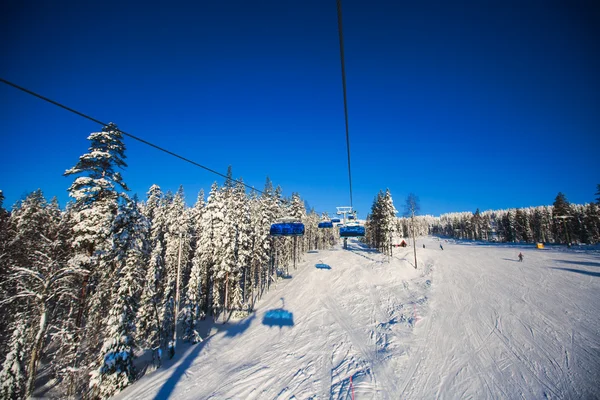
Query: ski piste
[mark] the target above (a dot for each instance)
(470, 322)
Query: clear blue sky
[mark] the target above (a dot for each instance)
(489, 104)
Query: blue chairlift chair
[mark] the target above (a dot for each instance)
(325, 224)
(287, 229)
(352, 231)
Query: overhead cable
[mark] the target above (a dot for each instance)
(341, 34)
(56, 103)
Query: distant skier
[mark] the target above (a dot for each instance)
(520, 257)
(441, 246)
(423, 245)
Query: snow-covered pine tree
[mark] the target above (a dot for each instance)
(13, 376)
(7, 311)
(149, 326)
(176, 257)
(269, 212)
(381, 222)
(311, 232)
(373, 229)
(388, 221)
(592, 223)
(282, 245)
(476, 224)
(38, 271)
(536, 225)
(194, 308)
(114, 368)
(239, 218)
(97, 193)
(4, 241)
(215, 241)
(226, 268)
(256, 251)
(62, 331)
(562, 228)
(580, 233)
(522, 227)
(298, 211)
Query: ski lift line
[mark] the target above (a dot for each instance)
(341, 34)
(123, 132)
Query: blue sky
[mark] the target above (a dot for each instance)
(489, 104)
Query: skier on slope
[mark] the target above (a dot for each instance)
(441, 246)
(520, 256)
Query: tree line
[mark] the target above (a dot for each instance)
(85, 288)
(560, 223)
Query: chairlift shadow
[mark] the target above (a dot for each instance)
(283, 274)
(279, 317)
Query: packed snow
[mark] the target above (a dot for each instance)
(470, 322)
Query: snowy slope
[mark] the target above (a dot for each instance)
(470, 322)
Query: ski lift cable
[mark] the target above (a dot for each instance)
(56, 103)
(341, 34)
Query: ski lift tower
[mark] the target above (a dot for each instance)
(344, 211)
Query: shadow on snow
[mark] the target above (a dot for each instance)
(278, 317)
(586, 263)
(579, 271)
(230, 329)
(168, 387)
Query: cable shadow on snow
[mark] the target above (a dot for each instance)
(585, 263)
(362, 255)
(359, 246)
(405, 260)
(579, 271)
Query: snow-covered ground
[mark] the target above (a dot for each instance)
(470, 322)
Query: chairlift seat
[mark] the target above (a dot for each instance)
(352, 231)
(287, 229)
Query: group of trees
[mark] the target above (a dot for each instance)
(561, 222)
(84, 287)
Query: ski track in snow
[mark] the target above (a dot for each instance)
(470, 322)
